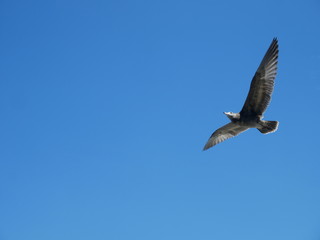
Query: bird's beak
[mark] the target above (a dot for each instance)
(224, 113)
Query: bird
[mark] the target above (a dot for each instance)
(256, 103)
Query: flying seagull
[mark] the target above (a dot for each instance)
(257, 101)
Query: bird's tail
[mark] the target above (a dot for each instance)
(268, 126)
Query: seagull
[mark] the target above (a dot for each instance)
(257, 101)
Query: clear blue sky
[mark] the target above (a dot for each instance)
(106, 106)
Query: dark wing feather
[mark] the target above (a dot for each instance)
(227, 131)
(262, 83)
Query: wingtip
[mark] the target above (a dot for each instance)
(274, 42)
(206, 147)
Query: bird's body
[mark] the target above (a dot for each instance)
(257, 101)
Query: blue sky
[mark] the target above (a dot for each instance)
(106, 106)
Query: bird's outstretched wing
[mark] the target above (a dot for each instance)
(227, 131)
(262, 83)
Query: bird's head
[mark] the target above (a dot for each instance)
(232, 115)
